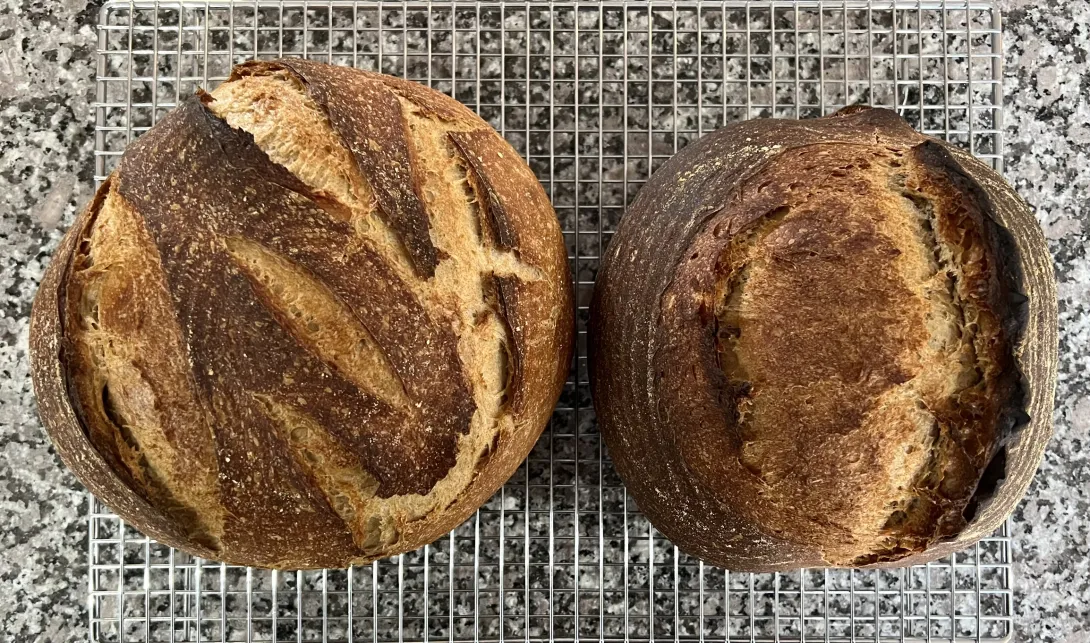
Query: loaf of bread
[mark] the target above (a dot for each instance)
(828, 342)
(314, 318)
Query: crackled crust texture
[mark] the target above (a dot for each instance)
(837, 338)
(315, 318)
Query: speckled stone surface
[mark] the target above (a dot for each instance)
(46, 89)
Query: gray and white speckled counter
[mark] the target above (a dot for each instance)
(46, 88)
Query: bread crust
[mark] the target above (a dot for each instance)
(352, 395)
(836, 336)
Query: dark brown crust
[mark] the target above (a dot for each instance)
(653, 365)
(201, 186)
(367, 116)
(386, 441)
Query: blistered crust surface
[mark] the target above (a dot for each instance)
(819, 329)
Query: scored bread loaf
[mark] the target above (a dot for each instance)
(314, 318)
(828, 342)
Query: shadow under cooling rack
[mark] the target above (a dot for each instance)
(595, 96)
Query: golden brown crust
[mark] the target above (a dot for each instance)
(51, 356)
(347, 399)
(367, 117)
(509, 219)
(126, 358)
(809, 323)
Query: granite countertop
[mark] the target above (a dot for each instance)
(46, 89)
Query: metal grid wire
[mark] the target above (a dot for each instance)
(596, 96)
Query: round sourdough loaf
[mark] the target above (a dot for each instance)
(828, 342)
(314, 318)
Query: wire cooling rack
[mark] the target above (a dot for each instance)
(596, 96)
